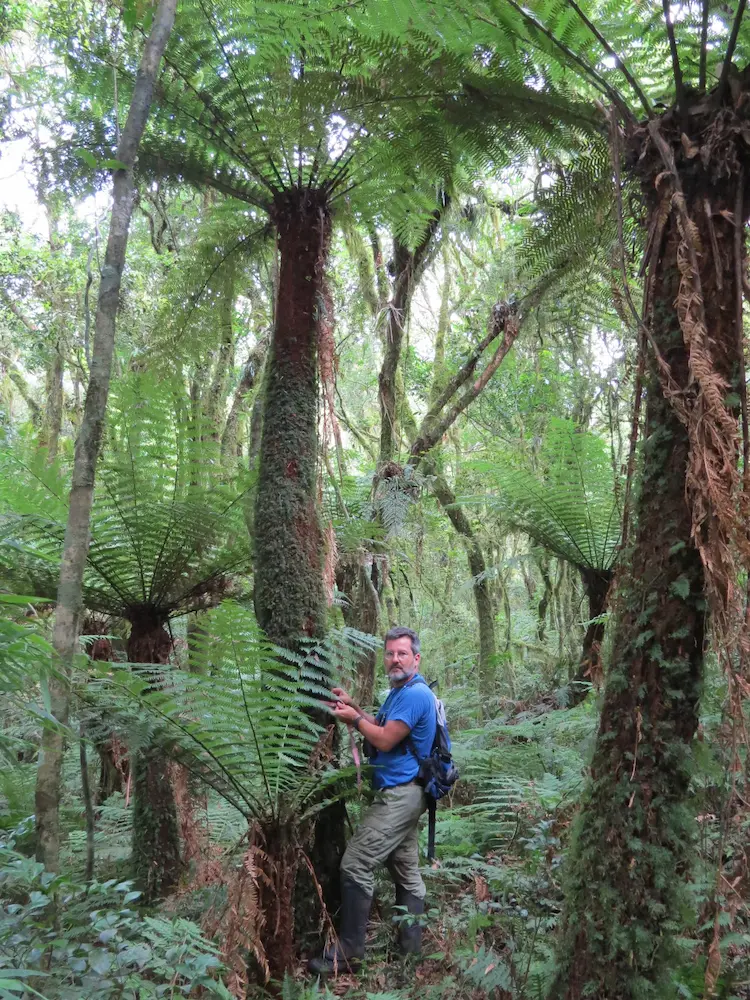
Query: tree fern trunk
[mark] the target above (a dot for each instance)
(596, 584)
(632, 841)
(289, 596)
(156, 843)
(76, 545)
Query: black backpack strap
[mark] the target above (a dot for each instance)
(431, 808)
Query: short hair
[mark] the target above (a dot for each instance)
(402, 632)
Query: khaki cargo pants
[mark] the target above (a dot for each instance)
(388, 834)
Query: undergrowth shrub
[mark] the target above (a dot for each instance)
(64, 940)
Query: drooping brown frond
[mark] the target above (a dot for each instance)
(705, 225)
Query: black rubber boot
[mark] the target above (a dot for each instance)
(409, 932)
(355, 910)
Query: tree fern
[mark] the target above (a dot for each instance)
(242, 720)
(245, 725)
(571, 506)
(158, 542)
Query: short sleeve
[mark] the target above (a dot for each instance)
(413, 708)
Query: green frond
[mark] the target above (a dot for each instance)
(24, 654)
(159, 540)
(243, 721)
(572, 508)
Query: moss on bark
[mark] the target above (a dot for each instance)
(289, 596)
(631, 846)
(156, 842)
(157, 861)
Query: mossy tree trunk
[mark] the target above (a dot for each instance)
(632, 841)
(408, 265)
(288, 569)
(157, 861)
(289, 596)
(596, 585)
(487, 666)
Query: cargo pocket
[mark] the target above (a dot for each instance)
(368, 848)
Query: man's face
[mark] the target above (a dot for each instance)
(400, 662)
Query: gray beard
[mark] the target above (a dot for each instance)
(398, 681)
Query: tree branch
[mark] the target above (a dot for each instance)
(23, 390)
(505, 320)
(31, 327)
(409, 267)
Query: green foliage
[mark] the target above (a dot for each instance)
(160, 543)
(24, 654)
(75, 940)
(570, 506)
(243, 720)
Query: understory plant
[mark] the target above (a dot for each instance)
(162, 546)
(63, 939)
(244, 722)
(570, 506)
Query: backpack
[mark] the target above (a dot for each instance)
(437, 773)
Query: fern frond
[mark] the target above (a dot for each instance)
(572, 508)
(242, 721)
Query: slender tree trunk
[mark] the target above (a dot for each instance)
(409, 265)
(543, 564)
(88, 804)
(480, 585)
(289, 596)
(214, 406)
(75, 549)
(53, 407)
(630, 853)
(230, 449)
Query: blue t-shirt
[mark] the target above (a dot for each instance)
(413, 704)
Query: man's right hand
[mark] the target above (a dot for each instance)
(341, 695)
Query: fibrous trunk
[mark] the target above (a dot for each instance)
(288, 570)
(289, 596)
(631, 845)
(596, 584)
(156, 842)
(278, 859)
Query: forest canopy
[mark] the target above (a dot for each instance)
(319, 319)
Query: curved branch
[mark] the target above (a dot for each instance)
(432, 429)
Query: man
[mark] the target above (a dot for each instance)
(402, 731)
